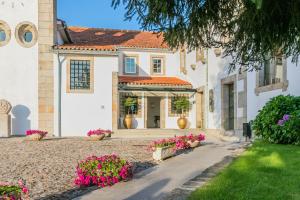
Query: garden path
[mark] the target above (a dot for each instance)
(158, 182)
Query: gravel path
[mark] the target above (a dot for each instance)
(49, 166)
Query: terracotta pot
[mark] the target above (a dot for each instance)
(194, 144)
(35, 137)
(182, 122)
(128, 121)
(97, 137)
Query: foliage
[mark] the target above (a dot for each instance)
(178, 142)
(265, 171)
(276, 122)
(247, 30)
(182, 104)
(102, 171)
(39, 132)
(98, 132)
(13, 192)
(129, 102)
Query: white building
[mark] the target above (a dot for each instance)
(68, 80)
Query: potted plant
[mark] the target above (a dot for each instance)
(129, 104)
(195, 140)
(163, 149)
(182, 105)
(12, 191)
(35, 135)
(96, 135)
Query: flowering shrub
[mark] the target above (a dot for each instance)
(277, 121)
(13, 192)
(39, 132)
(162, 143)
(102, 171)
(98, 132)
(179, 142)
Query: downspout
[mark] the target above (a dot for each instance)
(207, 91)
(59, 95)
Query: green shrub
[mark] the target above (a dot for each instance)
(269, 123)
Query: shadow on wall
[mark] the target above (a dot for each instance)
(20, 121)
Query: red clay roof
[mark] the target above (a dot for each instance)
(150, 80)
(110, 39)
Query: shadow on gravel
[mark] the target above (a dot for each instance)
(139, 168)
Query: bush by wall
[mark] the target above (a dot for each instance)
(278, 121)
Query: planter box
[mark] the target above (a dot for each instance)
(97, 137)
(194, 144)
(163, 153)
(34, 137)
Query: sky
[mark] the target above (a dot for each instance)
(94, 13)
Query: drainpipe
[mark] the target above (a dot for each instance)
(59, 95)
(207, 91)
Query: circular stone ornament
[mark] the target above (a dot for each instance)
(26, 34)
(5, 33)
(5, 107)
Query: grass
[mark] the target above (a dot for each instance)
(265, 172)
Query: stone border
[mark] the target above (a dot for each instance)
(5, 27)
(20, 31)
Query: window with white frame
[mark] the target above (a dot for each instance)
(271, 72)
(157, 65)
(130, 65)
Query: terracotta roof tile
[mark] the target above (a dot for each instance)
(110, 39)
(150, 80)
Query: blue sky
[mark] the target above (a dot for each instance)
(94, 13)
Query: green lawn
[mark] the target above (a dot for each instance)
(265, 171)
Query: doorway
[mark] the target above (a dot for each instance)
(228, 106)
(153, 112)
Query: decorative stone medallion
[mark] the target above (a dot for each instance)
(5, 106)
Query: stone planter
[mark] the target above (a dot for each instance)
(35, 137)
(163, 153)
(97, 137)
(194, 144)
(108, 135)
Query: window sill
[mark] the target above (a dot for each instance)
(277, 86)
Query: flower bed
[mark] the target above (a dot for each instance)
(166, 148)
(36, 135)
(103, 171)
(13, 192)
(99, 134)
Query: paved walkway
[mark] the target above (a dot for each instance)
(158, 182)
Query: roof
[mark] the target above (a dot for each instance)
(111, 39)
(154, 81)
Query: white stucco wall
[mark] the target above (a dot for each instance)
(255, 103)
(19, 69)
(82, 112)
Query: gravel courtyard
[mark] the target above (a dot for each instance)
(49, 166)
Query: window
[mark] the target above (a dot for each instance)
(271, 72)
(27, 36)
(130, 65)
(136, 109)
(5, 33)
(157, 65)
(2, 35)
(80, 75)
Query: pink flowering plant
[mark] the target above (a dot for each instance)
(163, 143)
(99, 132)
(39, 132)
(14, 192)
(102, 171)
(193, 138)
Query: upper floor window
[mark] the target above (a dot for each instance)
(271, 72)
(130, 65)
(157, 65)
(80, 75)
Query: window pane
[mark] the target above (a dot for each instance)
(28, 36)
(80, 75)
(2, 35)
(157, 65)
(130, 65)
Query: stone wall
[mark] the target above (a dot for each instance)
(47, 30)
